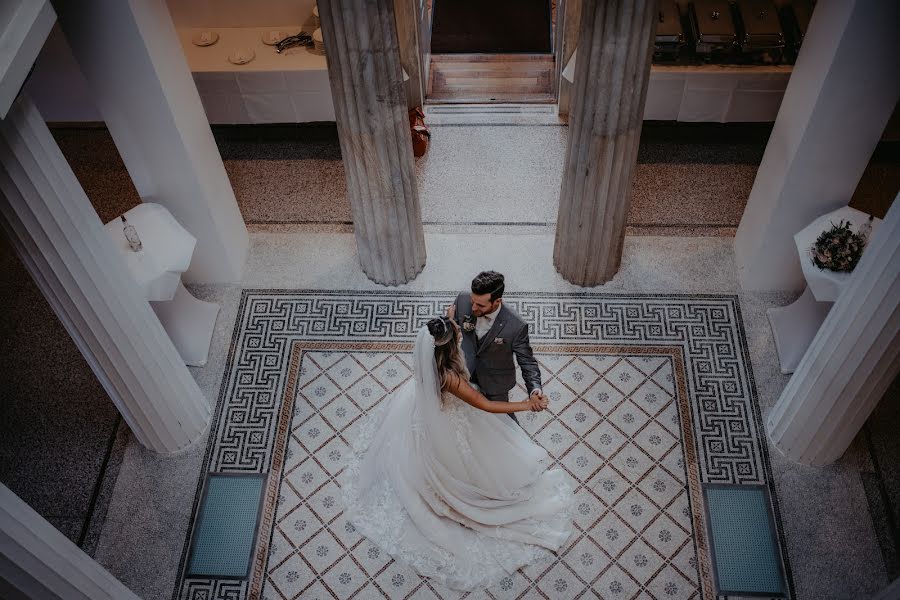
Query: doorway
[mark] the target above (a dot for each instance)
(492, 52)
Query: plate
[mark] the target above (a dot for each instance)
(241, 56)
(270, 38)
(205, 38)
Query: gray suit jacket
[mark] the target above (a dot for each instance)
(491, 362)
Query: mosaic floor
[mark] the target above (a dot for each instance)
(651, 397)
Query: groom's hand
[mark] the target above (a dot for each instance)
(538, 402)
(534, 404)
(539, 393)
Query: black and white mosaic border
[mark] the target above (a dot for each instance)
(708, 329)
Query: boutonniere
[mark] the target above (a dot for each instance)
(468, 324)
(498, 340)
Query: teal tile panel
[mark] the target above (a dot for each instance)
(226, 528)
(746, 559)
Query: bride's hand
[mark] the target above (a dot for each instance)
(451, 311)
(537, 403)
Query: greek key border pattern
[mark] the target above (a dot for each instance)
(707, 328)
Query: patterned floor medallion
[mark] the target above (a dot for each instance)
(651, 396)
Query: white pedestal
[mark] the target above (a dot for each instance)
(190, 323)
(157, 268)
(794, 326)
(827, 285)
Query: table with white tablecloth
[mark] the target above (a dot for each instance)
(711, 93)
(716, 93)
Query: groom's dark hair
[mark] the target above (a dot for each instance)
(489, 282)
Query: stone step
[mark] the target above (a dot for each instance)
(489, 78)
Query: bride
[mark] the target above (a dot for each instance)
(445, 483)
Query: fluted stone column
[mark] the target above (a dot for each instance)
(406, 13)
(611, 75)
(73, 261)
(851, 361)
(376, 147)
(37, 561)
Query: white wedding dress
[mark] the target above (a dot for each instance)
(461, 495)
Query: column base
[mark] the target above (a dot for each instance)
(392, 282)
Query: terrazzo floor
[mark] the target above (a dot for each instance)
(130, 508)
(61, 439)
(688, 181)
(822, 509)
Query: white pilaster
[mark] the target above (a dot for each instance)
(24, 27)
(842, 91)
(132, 58)
(37, 561)
(62, 243)
(851, 361)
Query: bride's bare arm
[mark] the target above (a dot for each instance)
(464, 391)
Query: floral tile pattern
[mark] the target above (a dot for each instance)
(627, 490)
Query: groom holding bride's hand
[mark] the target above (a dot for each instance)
(491, 335)
(437, 443)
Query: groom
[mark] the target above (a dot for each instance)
(492, 334)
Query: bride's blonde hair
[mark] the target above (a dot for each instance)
(447, 355)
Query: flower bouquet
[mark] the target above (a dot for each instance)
(840, 248)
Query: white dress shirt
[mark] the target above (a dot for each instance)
(484, 324)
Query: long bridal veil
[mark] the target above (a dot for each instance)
(426, 463)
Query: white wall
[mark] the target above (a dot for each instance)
(24, 26)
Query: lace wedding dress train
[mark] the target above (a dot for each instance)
(461, 495)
